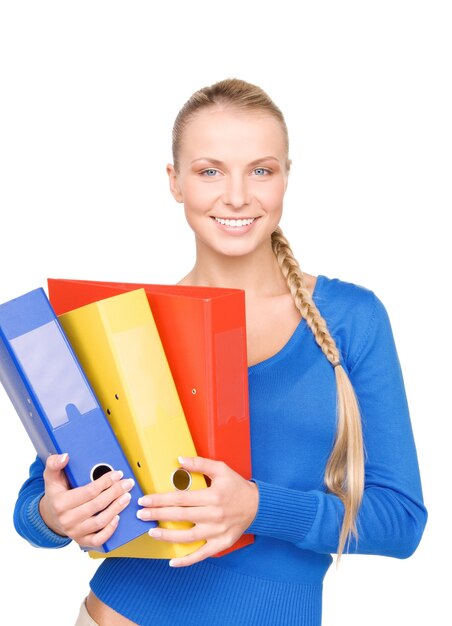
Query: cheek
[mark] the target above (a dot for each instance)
(273, 196)
(197, 197)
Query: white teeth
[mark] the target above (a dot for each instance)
(235, 223)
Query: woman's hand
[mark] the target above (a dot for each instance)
(220, 513)
(89, 515)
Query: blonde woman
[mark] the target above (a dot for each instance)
(333, 456)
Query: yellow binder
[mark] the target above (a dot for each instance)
(118, 345)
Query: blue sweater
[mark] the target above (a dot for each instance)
(278, 579)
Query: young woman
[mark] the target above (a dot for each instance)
(333, 457)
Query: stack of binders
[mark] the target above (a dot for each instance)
(131, 376)
(203, 333)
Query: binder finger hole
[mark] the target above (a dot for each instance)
(181, 479)
(99, 470)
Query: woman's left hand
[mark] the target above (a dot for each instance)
(220, 513)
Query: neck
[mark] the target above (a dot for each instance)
(258, 274)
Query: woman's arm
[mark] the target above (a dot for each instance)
(392, 516)
(27, 518)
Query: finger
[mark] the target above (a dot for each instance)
(208, 549)
(86, 493)
(96, 540)
(71, 517)
(180, 514)
(178, 536)
(99, 521)
(102, 500)
(199, 464)
(194, 497)
(53, 472)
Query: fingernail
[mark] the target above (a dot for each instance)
(144, 501)
(117, 475)
(62, 458)
(125, 498)
(128, 484)
(155, 532)
(181, 459)
(172, 563)
(139, 514)
(115, 520)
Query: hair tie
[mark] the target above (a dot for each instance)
(334, 365)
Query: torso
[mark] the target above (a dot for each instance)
(270, 322)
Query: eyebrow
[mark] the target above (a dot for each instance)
(255, 162)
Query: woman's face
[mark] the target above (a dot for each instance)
(232, 178)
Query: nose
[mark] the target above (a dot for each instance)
(236, 194)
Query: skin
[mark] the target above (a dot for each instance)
(232, 165)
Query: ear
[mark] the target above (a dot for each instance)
(174, 183)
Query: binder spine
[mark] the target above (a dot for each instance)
(25, 402)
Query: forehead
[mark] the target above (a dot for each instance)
(223, 132)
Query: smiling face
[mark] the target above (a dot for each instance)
(231, 178)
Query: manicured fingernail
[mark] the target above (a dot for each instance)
(155, 532)
(125, 498)
(173, 563)
(140, 514)
(115, 520)
(144, 501)
(62, 458)
(117, 475)
(128, 484)
(181, 459)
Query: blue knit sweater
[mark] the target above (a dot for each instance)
(278, 579)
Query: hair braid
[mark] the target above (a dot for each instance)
(344, 474)
(303, 301)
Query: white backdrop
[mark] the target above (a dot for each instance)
(89, 91)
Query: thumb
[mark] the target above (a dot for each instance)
(208, 467)
(53, 473)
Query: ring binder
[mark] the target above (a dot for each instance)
(56, 404)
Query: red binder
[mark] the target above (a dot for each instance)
(203, 332)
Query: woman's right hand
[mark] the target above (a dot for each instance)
(90, 514)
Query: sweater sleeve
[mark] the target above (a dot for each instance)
(392, 515)
(27, 518)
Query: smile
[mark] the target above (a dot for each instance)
(235, 223)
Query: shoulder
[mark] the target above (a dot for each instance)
(352, 313)
(345, 301)
(343, 293)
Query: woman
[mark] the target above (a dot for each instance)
(333, 456)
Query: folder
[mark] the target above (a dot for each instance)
(203, 332)
(56, 404)
(118, 345)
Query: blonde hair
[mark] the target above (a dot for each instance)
(230, 92)
(344, 473)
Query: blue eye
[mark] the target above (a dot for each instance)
(210, 172)
(261, 171)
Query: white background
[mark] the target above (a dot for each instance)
(89, 91)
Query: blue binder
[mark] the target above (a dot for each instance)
(56, 404)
